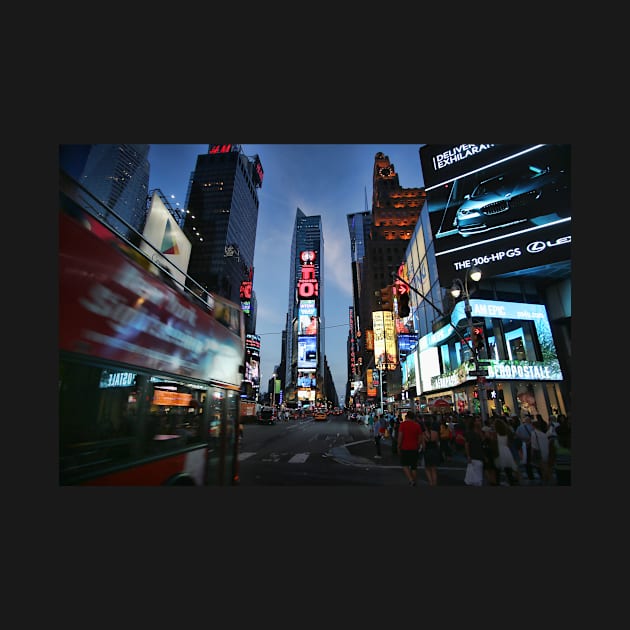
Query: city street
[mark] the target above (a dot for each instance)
(332, 452)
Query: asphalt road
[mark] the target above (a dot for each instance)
(334, 452)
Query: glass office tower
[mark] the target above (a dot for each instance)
(118, 174)
(222, 219)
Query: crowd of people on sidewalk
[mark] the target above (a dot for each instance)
(500, 452)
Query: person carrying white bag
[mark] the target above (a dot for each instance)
(474, 453)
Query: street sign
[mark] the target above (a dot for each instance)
(478, 372)
(483, 362)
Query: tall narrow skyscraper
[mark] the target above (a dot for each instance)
(305, 344)
(221, 221)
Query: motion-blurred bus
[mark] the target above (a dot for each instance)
(150, 369)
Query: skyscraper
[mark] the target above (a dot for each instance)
(379, 240)
(305, 344)
(359, 227)
(221, 221)
(118, 175)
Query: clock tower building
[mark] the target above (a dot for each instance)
(395, 212)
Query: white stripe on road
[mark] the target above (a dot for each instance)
(242, 456)
(299, 458)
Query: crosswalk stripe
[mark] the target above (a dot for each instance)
(299, 458)
(242, 456)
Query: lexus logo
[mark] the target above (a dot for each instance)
(536, 247)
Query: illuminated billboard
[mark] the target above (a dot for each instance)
(306, 378)
(520, 358)
(252, 360)
(409, 369)
(406, 343)
(307, 317)
(245, 295)
(385, 344)
(307, 351)
(372, 382)
(502, 208)
(161, 230)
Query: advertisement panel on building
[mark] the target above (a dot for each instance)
(307, 317)
(385, 344)
(372, 382)
(162, 232)
(252, 360)
(306, 378)
(307, 351)
(518, 358)
(501, 208)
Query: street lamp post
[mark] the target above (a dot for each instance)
(461, 288)
(380, 381)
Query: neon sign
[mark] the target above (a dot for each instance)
(220, 148)
(307, 285)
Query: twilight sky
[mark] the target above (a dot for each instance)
(330, 180)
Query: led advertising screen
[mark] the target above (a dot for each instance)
(406, 343)
(501, 208)
(306, 379)
(307, 317)
(409, 368)
(372, 387)
(518, 365)
(252, 360)
(307, 351)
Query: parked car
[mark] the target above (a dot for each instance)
(512, 197)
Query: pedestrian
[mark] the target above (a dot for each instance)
(446, 435)
(490, 453)
(393, 430)
(458, 434)
(431, 449)
(540, 451)
(562, 455)
(378, 430)
(409, 441)
(516, 444)
(524, 432)
(473, 448)
(505, 461)
(369, 420)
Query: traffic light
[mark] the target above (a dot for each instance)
(387, 298)
(477, 337)
(403, 304)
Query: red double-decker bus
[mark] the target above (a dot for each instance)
(150, 370)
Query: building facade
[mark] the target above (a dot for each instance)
(304, 378)
(505, 210)
(221, 222)
(379, 240)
